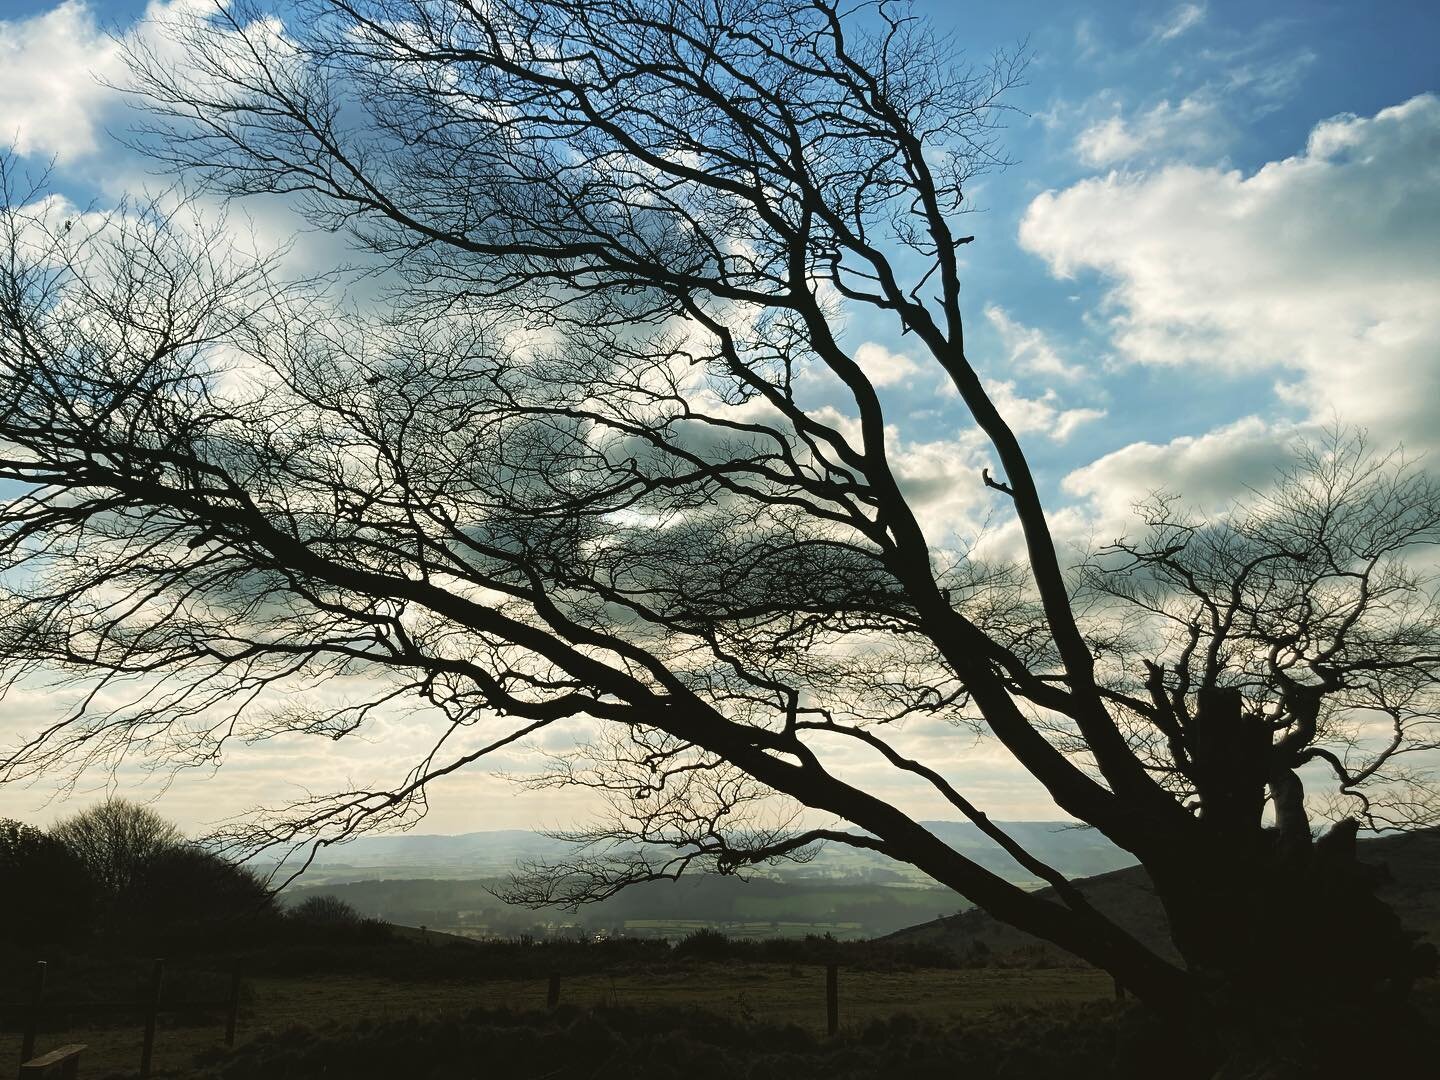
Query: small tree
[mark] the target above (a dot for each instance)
(149, 881)
(117, 841)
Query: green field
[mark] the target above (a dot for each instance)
(757, 908)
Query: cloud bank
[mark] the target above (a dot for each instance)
(1321, 268)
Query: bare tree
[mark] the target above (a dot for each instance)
(1312, 611)
(117, 841)
(576, 468)
(144, 880)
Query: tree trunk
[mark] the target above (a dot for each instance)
(1300, 970)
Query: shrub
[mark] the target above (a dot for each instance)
(119, 875)
(325, 911)
(705, 944)
(46, 894)
(189, 897)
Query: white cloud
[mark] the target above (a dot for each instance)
(1042, 414)
(1028, 349)
(1324, 267)
(1208, 470)
(51, 99)
(1195, 128)
(1266, 80)
(941, 481)
(58, 69)
(1087, 43)
(885, 368)
(1183, 18)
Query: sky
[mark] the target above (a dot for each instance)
(1221, 233)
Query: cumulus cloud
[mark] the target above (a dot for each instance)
(941, 478)
(1209, 470)
(58, 70)
(1322, 266)
(52, 99)
(1195, 128)
(1041, 415)
(1028, 349)
(885, 368)
(941, 481)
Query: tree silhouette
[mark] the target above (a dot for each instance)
(190, 896)
(115, 841)
(147, 880)
(47, 895)
(576, 468)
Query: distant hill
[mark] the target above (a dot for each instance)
(441, 882)
(489, 854)
(760, 908)
(1126, 896)
(1075, 851)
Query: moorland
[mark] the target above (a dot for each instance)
(329, 990)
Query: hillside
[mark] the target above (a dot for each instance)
(1413, 860)
(1077, 852)
(759, 908)
(442, 882)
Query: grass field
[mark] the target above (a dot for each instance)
(674, 929)
(775, 993)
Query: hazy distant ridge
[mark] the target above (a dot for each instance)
(1074, 851)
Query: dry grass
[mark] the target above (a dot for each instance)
(773, 993)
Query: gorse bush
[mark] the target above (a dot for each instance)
(371, 947)
(705, 944)
(708, 944)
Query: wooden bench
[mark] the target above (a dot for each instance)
(61, 1064)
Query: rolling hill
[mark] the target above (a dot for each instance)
(1075, 851)
(441, 882)
(1413, 861)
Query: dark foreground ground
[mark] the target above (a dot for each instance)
(371, 1014)
(960, 998)
(430, 1009)
(1094, 1038)
(693, 1044)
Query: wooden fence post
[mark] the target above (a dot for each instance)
(152, 1012)
(552, 995)
(233, 1014)
(32, 1017)
(832, 998)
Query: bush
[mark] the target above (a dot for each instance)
(705, 944)
(46, 895)
(708, 944)
(325, 911)
(187, 897)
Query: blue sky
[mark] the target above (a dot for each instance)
(1222, 231)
